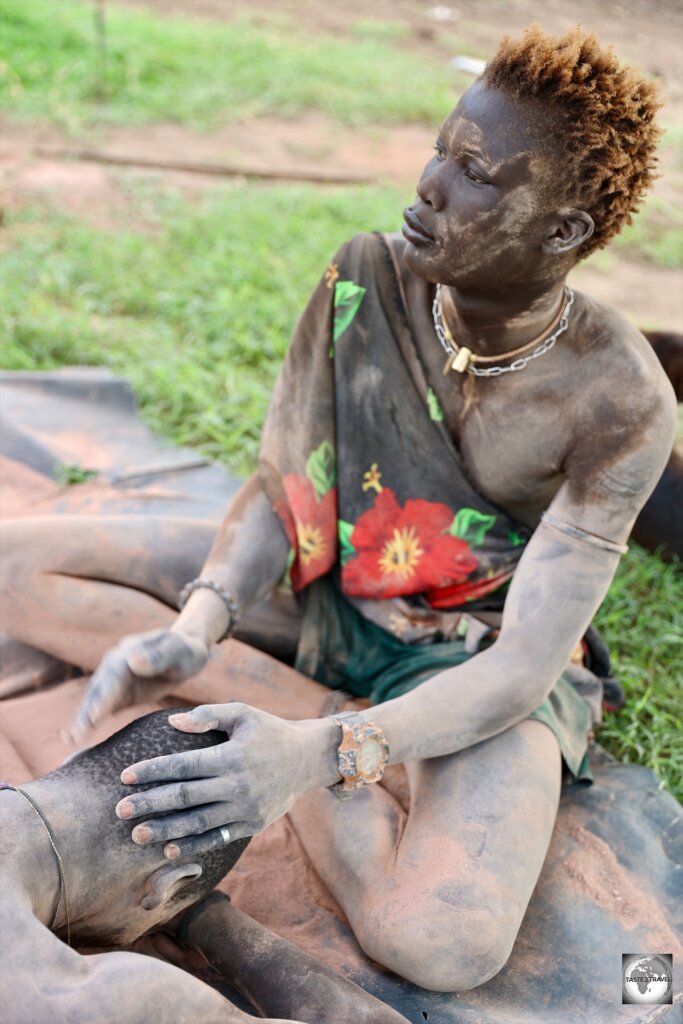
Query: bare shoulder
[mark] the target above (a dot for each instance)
(616, 360)
(625, 410)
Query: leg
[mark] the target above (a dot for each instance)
(278, 978)
(73, 586)
(439, 895)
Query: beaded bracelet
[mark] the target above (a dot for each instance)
(229, 601)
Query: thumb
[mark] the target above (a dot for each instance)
(209, 716)
(154, 654)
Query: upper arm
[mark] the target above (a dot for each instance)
(561, 579)
(624, 432)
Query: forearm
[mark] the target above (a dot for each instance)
(248, 559)
(279, 979)
(548, 609)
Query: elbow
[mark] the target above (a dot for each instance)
(527, 674)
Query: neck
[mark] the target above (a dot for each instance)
(493, 325)
(30, 862)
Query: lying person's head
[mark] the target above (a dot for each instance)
(544, 160)
(119, 890)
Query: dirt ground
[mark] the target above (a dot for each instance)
(35, 161)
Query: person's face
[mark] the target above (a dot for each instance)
(487, 198)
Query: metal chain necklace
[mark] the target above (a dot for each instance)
(62, 894)
(461, 359)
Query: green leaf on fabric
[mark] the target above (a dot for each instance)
(347, 299)
(285, 584)
(471, 526)
(346, 548)
(435, 410)
(321, 469)
(515, 539)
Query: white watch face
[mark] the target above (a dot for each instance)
(368, 757)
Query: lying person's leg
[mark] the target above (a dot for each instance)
(274, 975)
(438, 895)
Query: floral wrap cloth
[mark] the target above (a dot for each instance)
(396, 554)
(362, 470)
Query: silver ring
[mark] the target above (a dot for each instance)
(225, 832)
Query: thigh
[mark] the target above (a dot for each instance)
(447, 909)
(156, 555)
(480, 822)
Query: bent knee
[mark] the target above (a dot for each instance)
(449, 955)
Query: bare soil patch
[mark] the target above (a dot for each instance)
(644, 32)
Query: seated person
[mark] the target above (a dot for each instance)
(455, 454)
(70, 873)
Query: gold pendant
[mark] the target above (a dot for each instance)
(458, 361)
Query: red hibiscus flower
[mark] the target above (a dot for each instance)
(406, 550)
(311, 527)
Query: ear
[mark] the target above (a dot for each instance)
(161, 883)
(567, 231)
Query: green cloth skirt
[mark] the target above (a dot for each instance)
(343, 650)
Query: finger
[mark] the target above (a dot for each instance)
(194, 846)
(177, 826)
(155, 653)
(176, 797)
(104, 694)
(191, 764)
(209, 716)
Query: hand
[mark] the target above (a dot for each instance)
(162, 945)
(244, 784)
(141, 667)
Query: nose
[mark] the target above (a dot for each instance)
(430, 189)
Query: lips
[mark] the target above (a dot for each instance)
(414, 230)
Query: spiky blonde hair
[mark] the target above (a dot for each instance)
(605, 119)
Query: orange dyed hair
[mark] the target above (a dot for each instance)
(606, 119)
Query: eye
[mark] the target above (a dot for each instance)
(440, 152)
(475, 178)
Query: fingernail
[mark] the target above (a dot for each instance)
(172, 851)
(179, 715)
(124, 809)
(128, 777)
(141, 834)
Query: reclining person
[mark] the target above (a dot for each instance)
(455, 454)
(71, 873)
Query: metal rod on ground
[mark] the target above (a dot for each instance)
(219, 170)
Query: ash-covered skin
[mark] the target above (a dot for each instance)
(584, 431)
(119, 893)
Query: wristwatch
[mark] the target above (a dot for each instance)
(362, 754)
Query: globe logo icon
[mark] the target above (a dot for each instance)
(647, 978)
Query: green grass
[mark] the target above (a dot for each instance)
(655, 234)
(197, 313)
(199, 72)
(640, 621)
